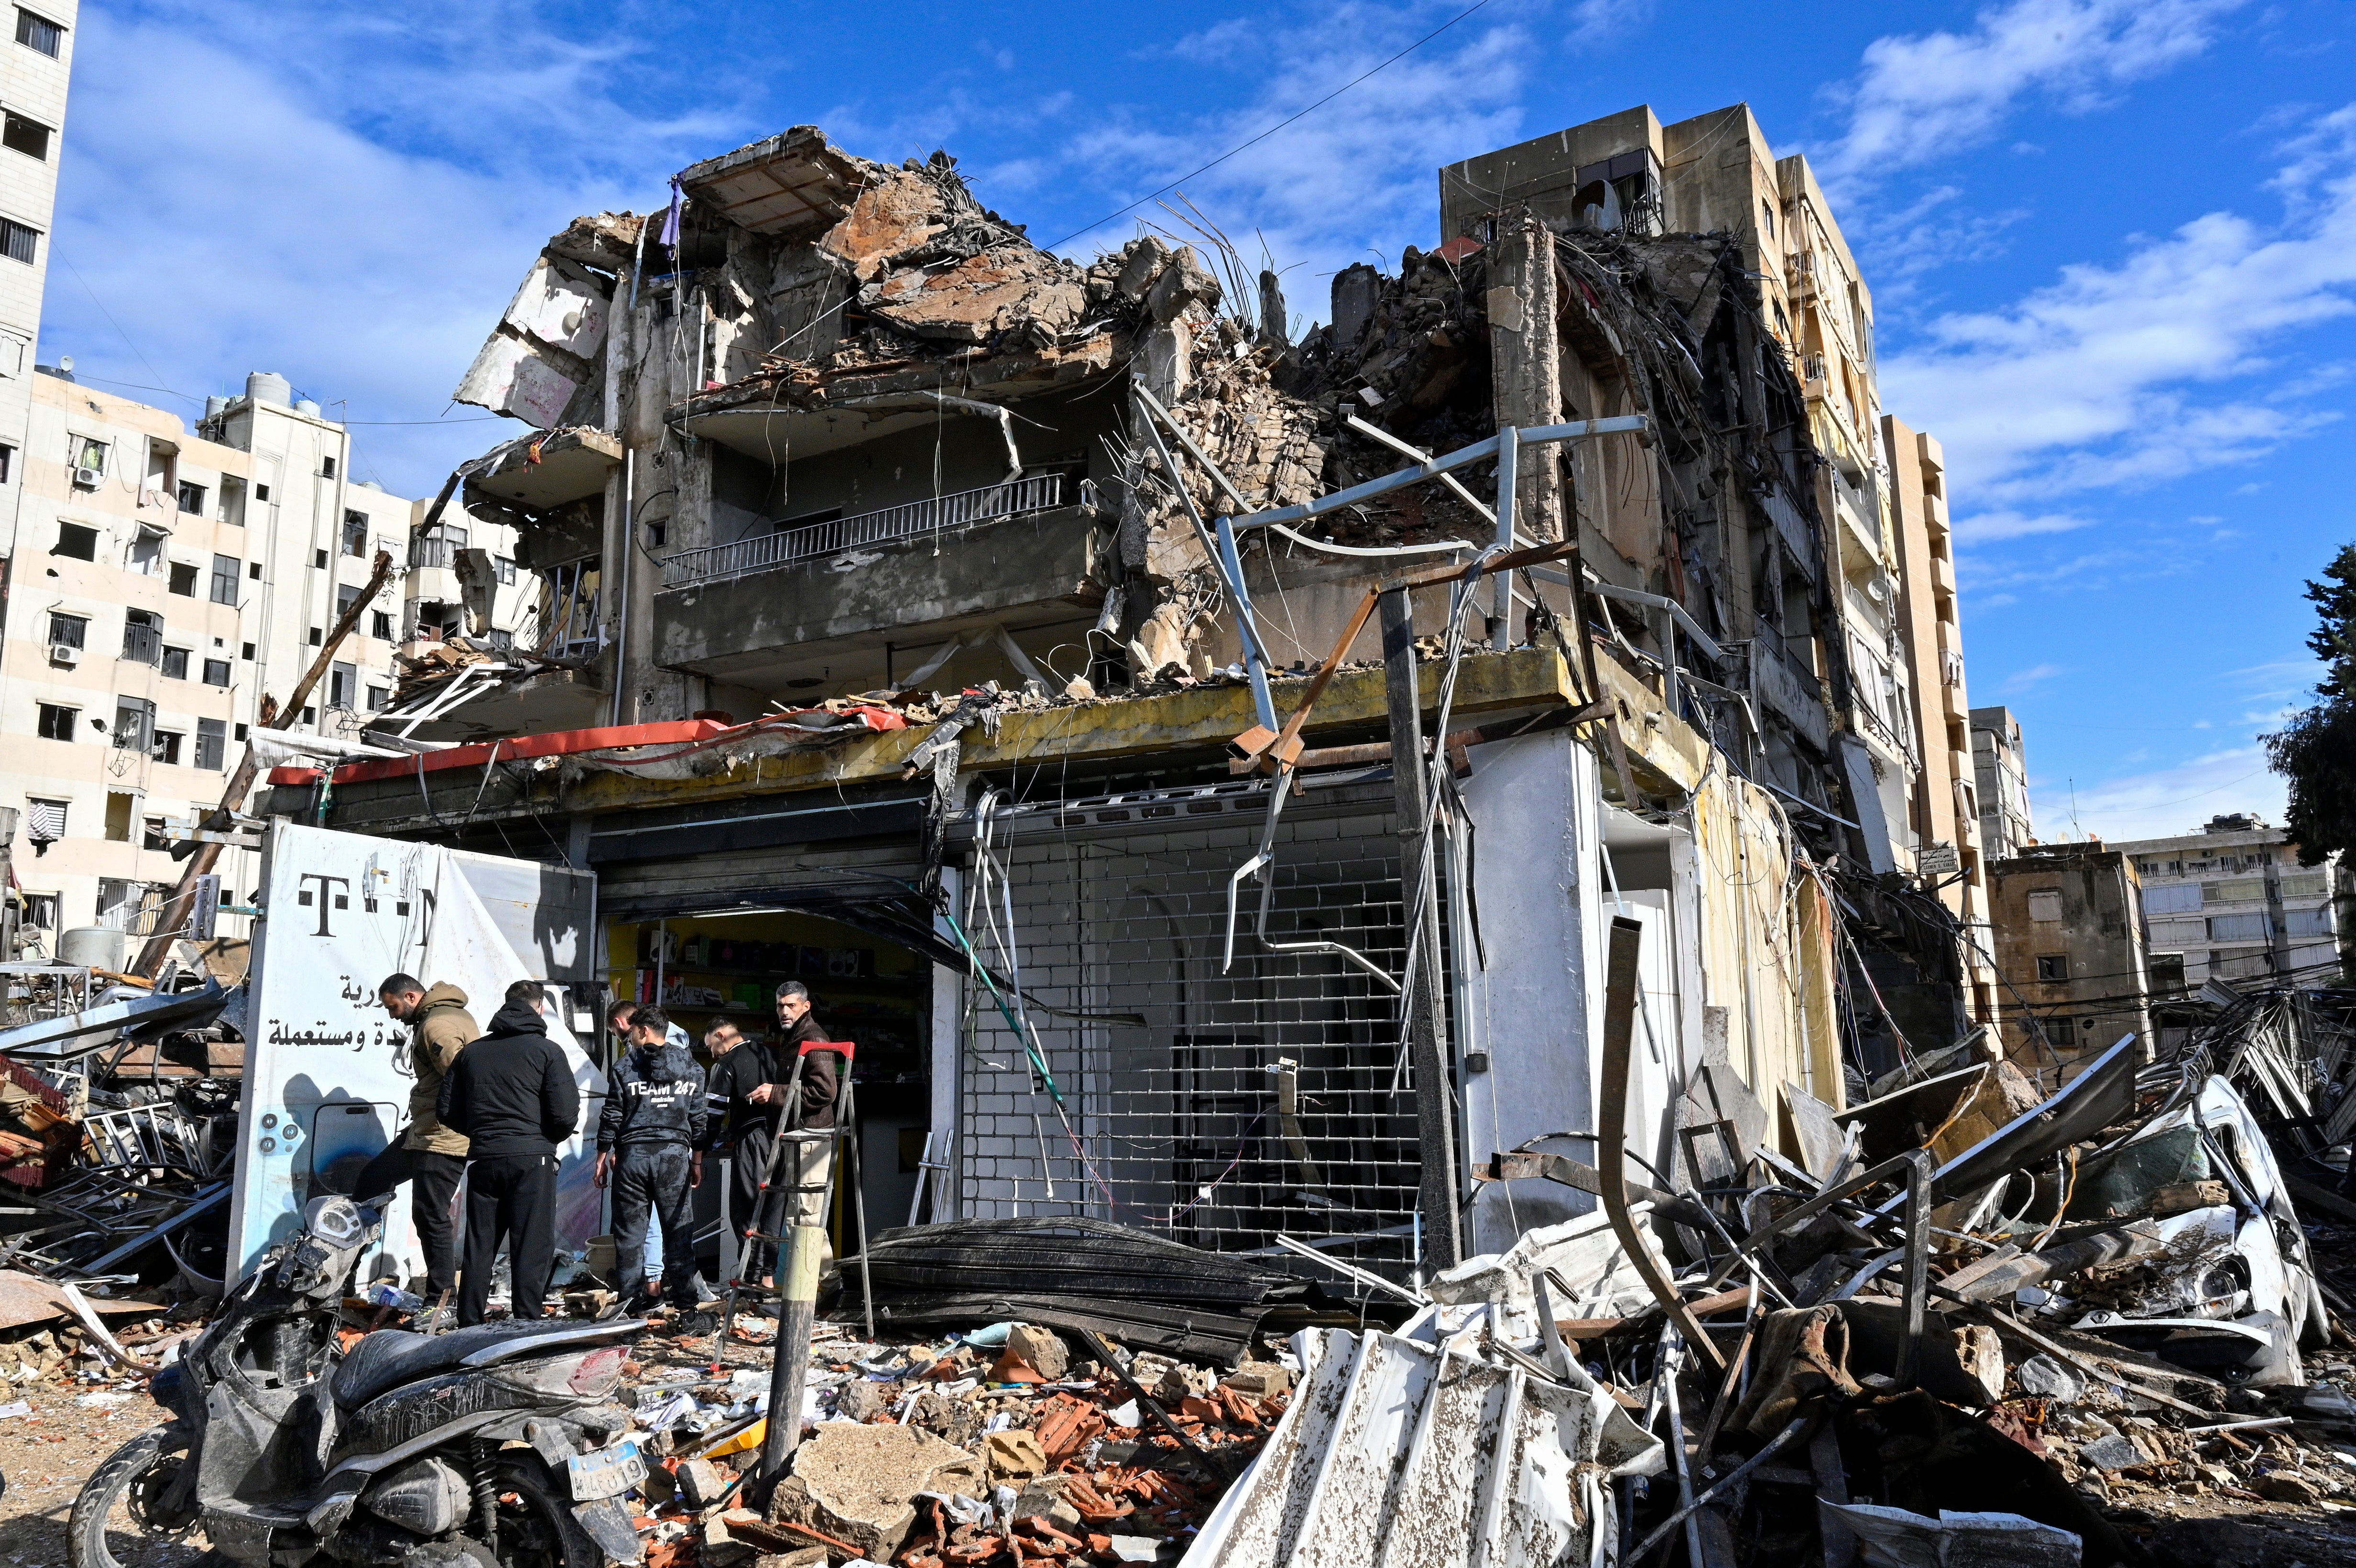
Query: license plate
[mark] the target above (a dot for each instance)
(607, 1473)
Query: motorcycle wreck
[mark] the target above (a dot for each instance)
(496, 1447)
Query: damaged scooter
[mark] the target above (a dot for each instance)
(283, 1452)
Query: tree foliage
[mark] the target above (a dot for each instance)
(2316, 752)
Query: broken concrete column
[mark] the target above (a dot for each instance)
(1164, 364)
(1356, 291)
(1526, 364)
(1273, 331)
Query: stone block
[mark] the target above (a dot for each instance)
(857, 1484)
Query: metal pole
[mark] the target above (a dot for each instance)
(797, 1313)
(1255, 657)
(1426, 1029)
(1509, 463)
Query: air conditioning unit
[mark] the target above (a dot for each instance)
(88, 478)
(64, 654)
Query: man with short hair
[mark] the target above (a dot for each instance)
(650, 1146)
(811, 1174)
(430, 1156)
(512, 1095)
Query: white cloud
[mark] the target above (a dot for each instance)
(2021, 681)
(1601, 21)
(2091, 381)
(1930, 95)
(1355, 173)
(245, 192)
(2168, 800)
(1986, 527)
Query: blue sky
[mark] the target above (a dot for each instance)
(2113, 245)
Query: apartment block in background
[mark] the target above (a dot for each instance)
(2233, 900)
(2000, 768)
(35, 65)
(2070, 945)
(162, 582)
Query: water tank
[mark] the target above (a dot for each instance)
(98, 946)
(264, 387)
(216, 407)
(307, 406)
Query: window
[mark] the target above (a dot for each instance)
(328, 467)
(240, 731)
(7, 461)
(2045, 904)
(224, 580)
(503, 568)
(217, 672)
(20, 241)
(118, 817)
(2053, 966)
(72, 631)
(311, 717)
(184, 579)
(39, 34)
(152, 836)
(2059, 1030)
(120, 901)
(175, 664)
(319, 558)
(261, 493)
(134, 723)
(45, 821)
(380, 626)
(167, 746)
(146, 553)
(343, 685)
(245, 652)
(212, 741)
(356, 533)
(345, 596)
(318, 637)
(192, 499)
(41, 910)
(378, 699)
(2180, 900)
(57, 724)
(253, 571)
(437, 546)
(1767, 217)
(142, 636)
(29, 137)
(2237, 928)
(77, 541)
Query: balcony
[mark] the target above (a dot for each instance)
(852, 604)
(915, 519)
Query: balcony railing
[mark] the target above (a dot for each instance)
(718, 562)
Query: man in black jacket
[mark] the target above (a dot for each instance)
(512, 1095)
(749, 1086)
(650, 1146)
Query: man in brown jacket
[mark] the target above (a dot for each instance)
(429, 1156)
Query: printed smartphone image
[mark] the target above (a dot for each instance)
(345, 1135)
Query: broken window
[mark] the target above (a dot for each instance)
(69, 631)
(2053, 966)
(437, 546)
(192, 499)
(134, 724)
(217, 672)
(212, 738)
(142, 636)
(147, 557)
(75, 541)
(356, 533)
(175, 664)
(184, 579)
(57, 724)
(343, 685)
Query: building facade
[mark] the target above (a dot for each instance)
(36, 68)
(2234, 901)
(164, 581)
(2071, 948)
(2000, 767)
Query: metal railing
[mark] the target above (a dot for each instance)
(143, 644)
(714, 564)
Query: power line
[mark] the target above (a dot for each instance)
(1272, 130)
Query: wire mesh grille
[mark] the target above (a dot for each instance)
(1236, 1102)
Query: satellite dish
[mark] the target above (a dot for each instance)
(65, 362)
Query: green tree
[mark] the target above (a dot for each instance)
(2317, 750)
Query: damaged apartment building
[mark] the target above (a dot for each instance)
(1022, 651)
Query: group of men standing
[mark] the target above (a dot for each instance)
(492, 1106)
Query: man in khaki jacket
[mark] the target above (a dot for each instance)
(429, 1156)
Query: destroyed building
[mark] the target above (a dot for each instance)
(911, 595)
